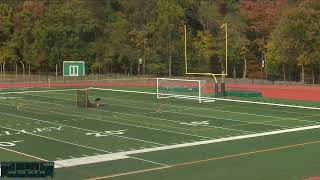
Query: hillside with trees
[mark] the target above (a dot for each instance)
(275, 39)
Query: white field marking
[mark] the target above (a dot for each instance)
(273, 104)
(65, 142)
(196, 123)
(150, 123)
(175, 132)
(215, 110)
(158, 118)
(119, 122)
(149, 161)
(23, 154)
(125, 155)
(139, 115)
(9, 97)
(223, 106)
(221, 99)
(249, 122)
(106, 133)
(163, 119)
(249, 114)
(39, 91)
(34, 119)
(9, 143)
(96, 159)
(87, 160)
(244, 136)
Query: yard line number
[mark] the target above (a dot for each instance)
(196, 123)
(9, 143)
(106, 133)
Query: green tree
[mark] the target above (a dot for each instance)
(166, 30)
(295, 39)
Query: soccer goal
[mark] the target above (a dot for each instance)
(199, 90)
(82, 98)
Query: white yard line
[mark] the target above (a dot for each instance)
(57, 140)
(83, 129)
(144, 116)
(39, 91)
(224, 106)
(100, 116)
(23, 154)
(161, 164)
(215, 110)
(221, 99)
(210, 117)
(87, 160)
(123, 155)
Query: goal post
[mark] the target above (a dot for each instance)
(200, 90)
(82, 98)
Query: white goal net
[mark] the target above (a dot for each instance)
(199, 90)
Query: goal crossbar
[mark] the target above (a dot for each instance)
(193, 88)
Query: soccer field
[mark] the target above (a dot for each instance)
(135, 136)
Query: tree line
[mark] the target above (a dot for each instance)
(272, 39)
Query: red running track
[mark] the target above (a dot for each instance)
(306, 93)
